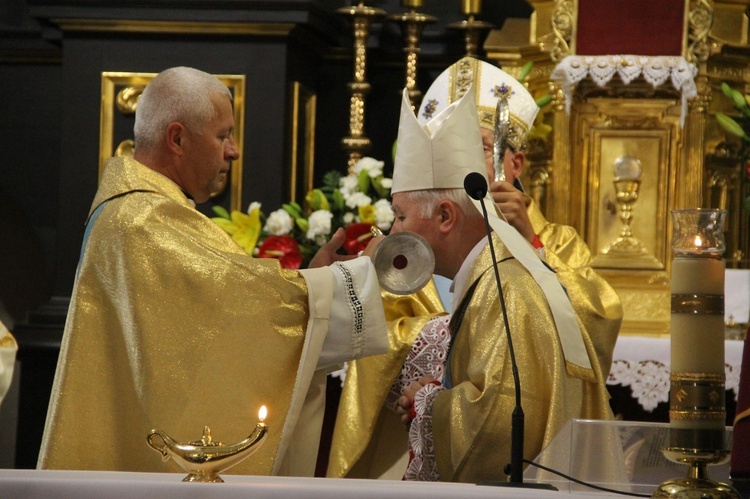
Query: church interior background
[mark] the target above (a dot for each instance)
(317, 85)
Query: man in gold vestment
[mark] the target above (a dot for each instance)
(365, 442)
(172, 326)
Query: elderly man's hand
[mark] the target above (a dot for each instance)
(405, 405)
(327, 255)
(513, 203)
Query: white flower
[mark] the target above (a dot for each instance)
(252, 206)
(383, 214)
(319, 225)
(357, 199)
(386, 183)
(348, 217)
(348, 185)
(373, 166)
(279, 223)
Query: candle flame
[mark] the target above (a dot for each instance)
(698, 241)
(262, 413)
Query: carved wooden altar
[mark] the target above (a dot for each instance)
(687, 160)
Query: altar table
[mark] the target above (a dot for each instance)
(35, 484)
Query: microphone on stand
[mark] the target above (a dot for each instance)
(475, 186)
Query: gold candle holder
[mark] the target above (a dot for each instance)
(204, 459)
(697, 409)
(357, 143)
(412, 24)
(473, 28)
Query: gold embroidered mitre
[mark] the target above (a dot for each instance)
(489, 83)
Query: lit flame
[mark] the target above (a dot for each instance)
(698, 241)
(262, 413)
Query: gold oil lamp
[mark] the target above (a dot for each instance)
(204, 459)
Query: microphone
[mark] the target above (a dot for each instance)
(475, 186)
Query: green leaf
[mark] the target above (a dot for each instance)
(544, 100)
(730, 125)
(294, 210)
(726, 89)
(338, 200)
(738, 98)
(363, 181)
(525, 71)
(221, 211)
(393, 150)
(302, 223)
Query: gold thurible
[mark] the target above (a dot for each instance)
(356, 143)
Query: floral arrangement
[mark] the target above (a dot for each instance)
(293, 235)
(739, 127)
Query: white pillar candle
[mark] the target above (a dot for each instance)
(697, 337)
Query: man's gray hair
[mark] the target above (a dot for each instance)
(427, 199)
(178, 94)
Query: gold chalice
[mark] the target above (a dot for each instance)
(204, 459)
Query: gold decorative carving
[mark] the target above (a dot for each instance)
(119, 94)
(700, 22)
(127, 99)
(561, 42)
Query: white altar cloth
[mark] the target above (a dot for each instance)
(36, 484)
(643, 364)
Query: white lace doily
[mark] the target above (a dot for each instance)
(656, 70)
(643, 364)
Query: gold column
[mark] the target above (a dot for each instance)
(412, 23)
(357, 143)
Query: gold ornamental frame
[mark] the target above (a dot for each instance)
(302, 143)
(119, 94)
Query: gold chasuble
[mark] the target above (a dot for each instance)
(369, 439)
(173, 327)
(366, 433)
(471, 421)
(595, 302)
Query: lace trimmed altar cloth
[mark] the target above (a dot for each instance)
(643, 364)
(656, 70)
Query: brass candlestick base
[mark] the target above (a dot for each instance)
(697, 484)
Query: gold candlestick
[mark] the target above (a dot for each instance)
(357, 143)
(204, 459)
(473, 29)
(412, 23)
(696, 400)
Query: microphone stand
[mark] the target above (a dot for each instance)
(476, 186)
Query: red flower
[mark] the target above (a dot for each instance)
(284, 248)
(357, 237)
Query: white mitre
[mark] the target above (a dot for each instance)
(489, 83)
(441, 153)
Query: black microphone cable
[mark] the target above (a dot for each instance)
(476, 186)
